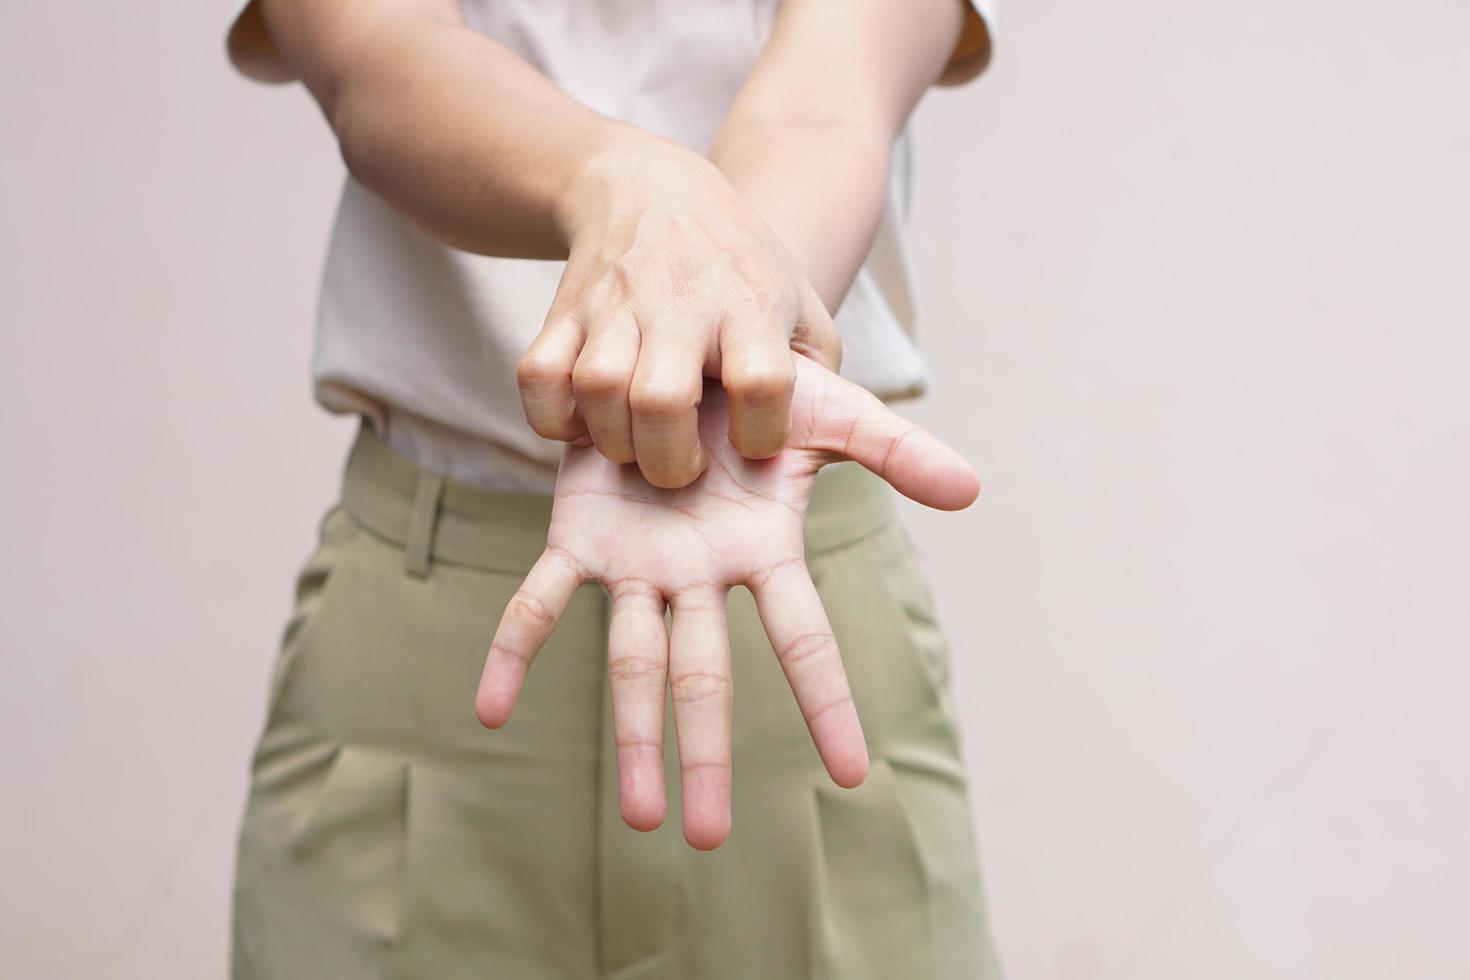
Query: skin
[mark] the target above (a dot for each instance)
(672, 277)
(739, 523)
(680, 268)
(808, 137)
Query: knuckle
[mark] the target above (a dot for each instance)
(764, 384)
(531, 609)
(634, 668)
(562, 428)
(616, 447)
(664, 399)
(635, 588)
(570, 561)
(763, 576)
(830, 706)
(596, 382)
(753, 283)
(699, 687)
(502, 649)
(701, 765)
(644, 744)
(808, 646)
(666, 475)
(753, 445)
(539, 369)
(620, 270)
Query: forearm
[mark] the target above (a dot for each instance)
(809, 137)
(444, 123)
(820, 185)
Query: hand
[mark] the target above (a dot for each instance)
(739, 523)
(671, 278)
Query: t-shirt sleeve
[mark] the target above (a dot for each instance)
(972, 50)
(249, 45)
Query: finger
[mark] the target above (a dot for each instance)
(758, 375)
(816, 336)
(800, 634)
(699, 677)
(637, 670)
(601, 381)
(544, 376)
(664, 398)
(848, 420)
(525, 626)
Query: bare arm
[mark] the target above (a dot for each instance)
(808, 138)
(445, 123)
(671, 275)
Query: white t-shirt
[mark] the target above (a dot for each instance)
(422, 339)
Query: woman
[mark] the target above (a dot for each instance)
(701, 182)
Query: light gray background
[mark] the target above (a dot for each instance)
(1195, 291)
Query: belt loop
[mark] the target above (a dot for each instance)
(419, 548)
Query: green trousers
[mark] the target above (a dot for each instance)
(388, 835)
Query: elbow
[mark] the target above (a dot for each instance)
(357, 126)
(252, 49)
(376, 142)
(369, 88)
(351, 140)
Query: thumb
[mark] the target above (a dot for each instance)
(848, 420)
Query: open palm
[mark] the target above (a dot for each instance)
(739, 523)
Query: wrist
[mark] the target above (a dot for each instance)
(819, 183)
(624, 163)
(596, 173)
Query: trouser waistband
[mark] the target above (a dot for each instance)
(436, 519)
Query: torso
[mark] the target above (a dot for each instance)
(423, 339)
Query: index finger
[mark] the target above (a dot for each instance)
(544, 377)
